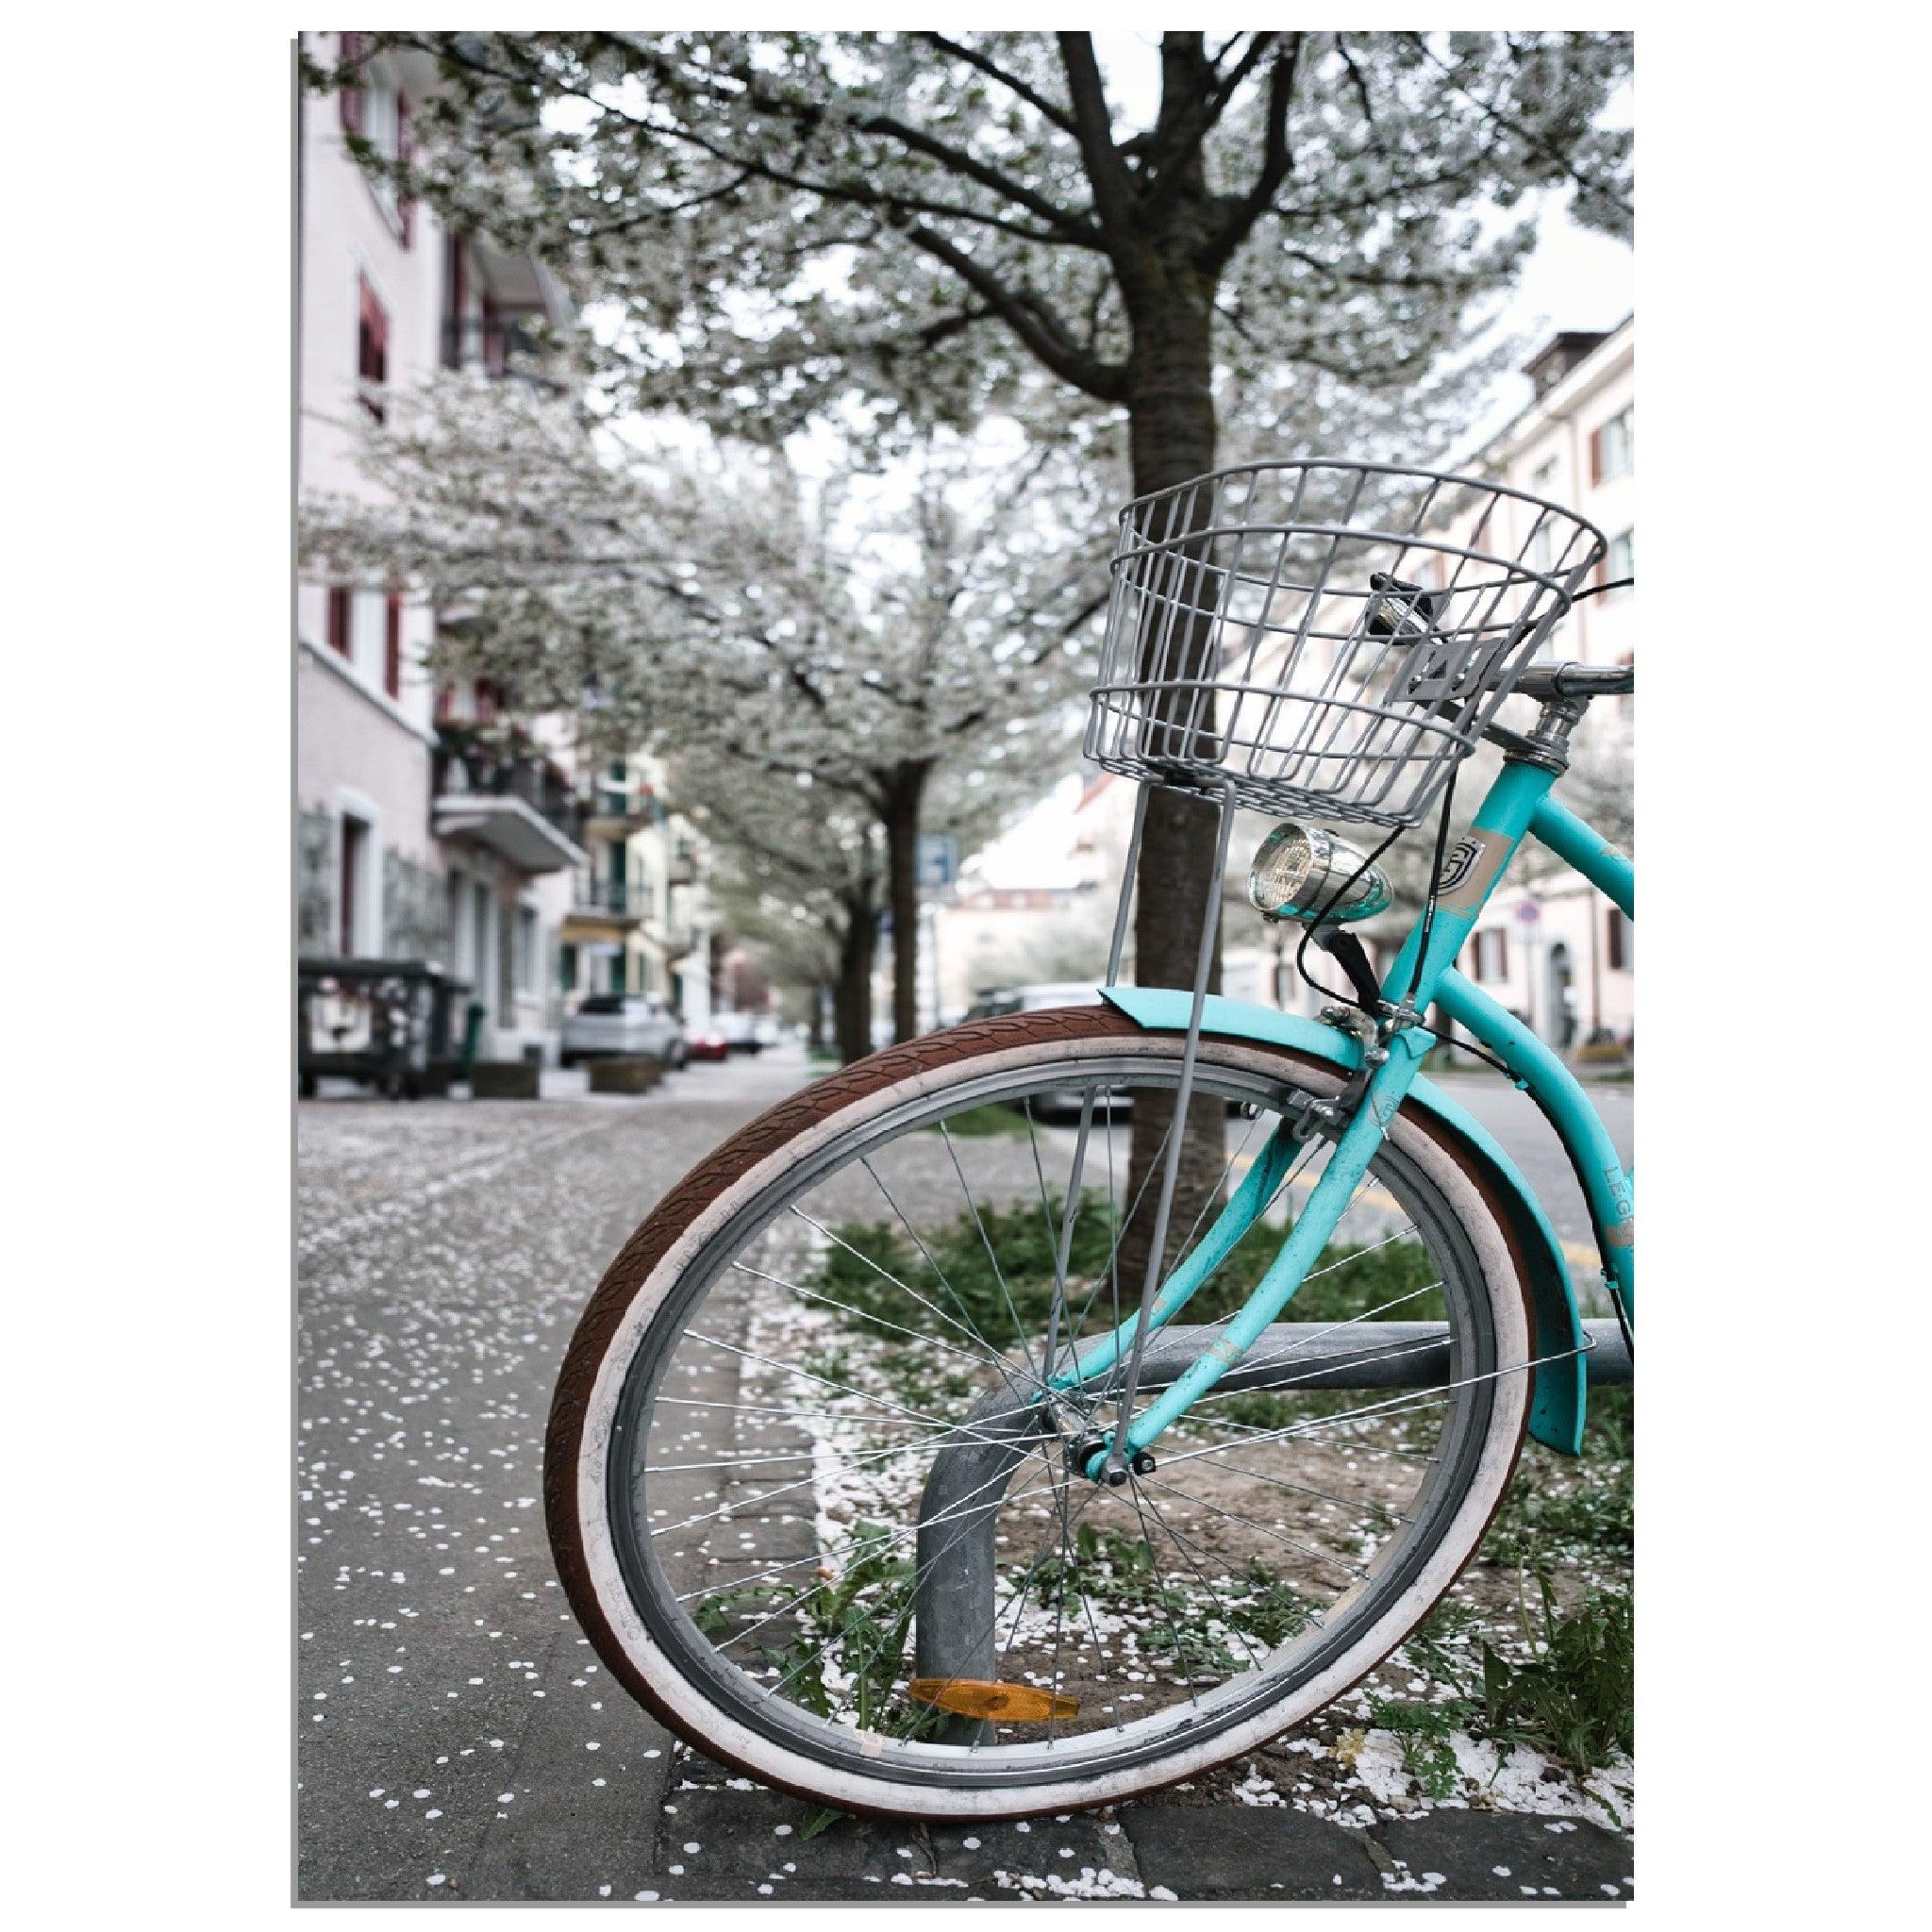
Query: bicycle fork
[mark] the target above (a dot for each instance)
(1358, 1121)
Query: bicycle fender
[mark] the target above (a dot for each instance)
(1556, 1410)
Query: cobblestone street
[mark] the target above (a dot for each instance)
(458, 1738)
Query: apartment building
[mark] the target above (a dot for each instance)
(430, 826)
(1550, 948)
(639, 919)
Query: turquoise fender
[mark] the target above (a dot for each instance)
(1557, 1404)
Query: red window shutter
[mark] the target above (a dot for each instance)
(1596, 455)
(339, 619)
(392, 645)
(371, 348)
(1616, 939)
(405, 150)
(351, 99)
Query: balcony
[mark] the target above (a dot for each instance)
(684, 863)
(610, 902)
(499, 346)
(494, 787)
(615, 812)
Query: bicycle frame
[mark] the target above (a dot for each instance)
(1518, 806)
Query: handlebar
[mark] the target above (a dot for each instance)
(1577, 681)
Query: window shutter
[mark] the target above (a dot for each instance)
(1596, 453)
(352, 100)
(405, 151)
(455, 287)
(371, 348)
(1616, 939)
(392, 645)
(339, 619)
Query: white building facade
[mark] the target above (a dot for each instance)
(430, 827)
(1550, 948)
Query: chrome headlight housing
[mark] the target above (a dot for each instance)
(1299, 868)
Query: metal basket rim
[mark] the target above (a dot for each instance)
(1264, 464)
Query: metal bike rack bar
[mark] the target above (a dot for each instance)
(958, 1509)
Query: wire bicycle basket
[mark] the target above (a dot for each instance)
(1325, 636)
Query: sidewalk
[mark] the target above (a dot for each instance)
(458, 1738)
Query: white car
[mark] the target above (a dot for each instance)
(623, 1023)
(993, 1002)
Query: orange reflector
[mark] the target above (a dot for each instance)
(968, 1698)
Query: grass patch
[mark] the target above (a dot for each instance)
(858, 1618)
(997, 1267)
(1573, 1698)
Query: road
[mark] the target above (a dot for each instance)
(455, 1736)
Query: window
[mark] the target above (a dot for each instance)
(567, 967)
(527, 949)
(371, 348)
(1620, 560)
(351, 99)
(339, 606)
(353, 869)
(392, 644)
(455, 298)
(1542, 482)
(1491, 961)
(1613, 445)
(479, 936)
(1622, 946)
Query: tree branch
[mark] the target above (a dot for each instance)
(1107, 173)
(973, 58)
(810, 116)
(1277, 164)
(1530, 141)
(1026, 318)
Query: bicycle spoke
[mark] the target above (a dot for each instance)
(864, 1363)
(971, 1334)
(986, 1242)
(1185, 1545)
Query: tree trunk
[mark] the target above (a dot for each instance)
(852, 999)
(815, 1022)
(905, 794)
(1172, 429)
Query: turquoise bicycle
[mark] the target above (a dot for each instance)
(942, 1446)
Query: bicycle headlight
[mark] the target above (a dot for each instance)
(1299, 868)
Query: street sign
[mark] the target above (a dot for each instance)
(936, 864)
(1528, 912)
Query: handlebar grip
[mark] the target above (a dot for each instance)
(1577, 681)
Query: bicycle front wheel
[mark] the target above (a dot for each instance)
(758, 1474)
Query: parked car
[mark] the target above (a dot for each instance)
(993, 1002)
(740, 1031)
(623, 1023)
(707, 1042)
(1063, 1103)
